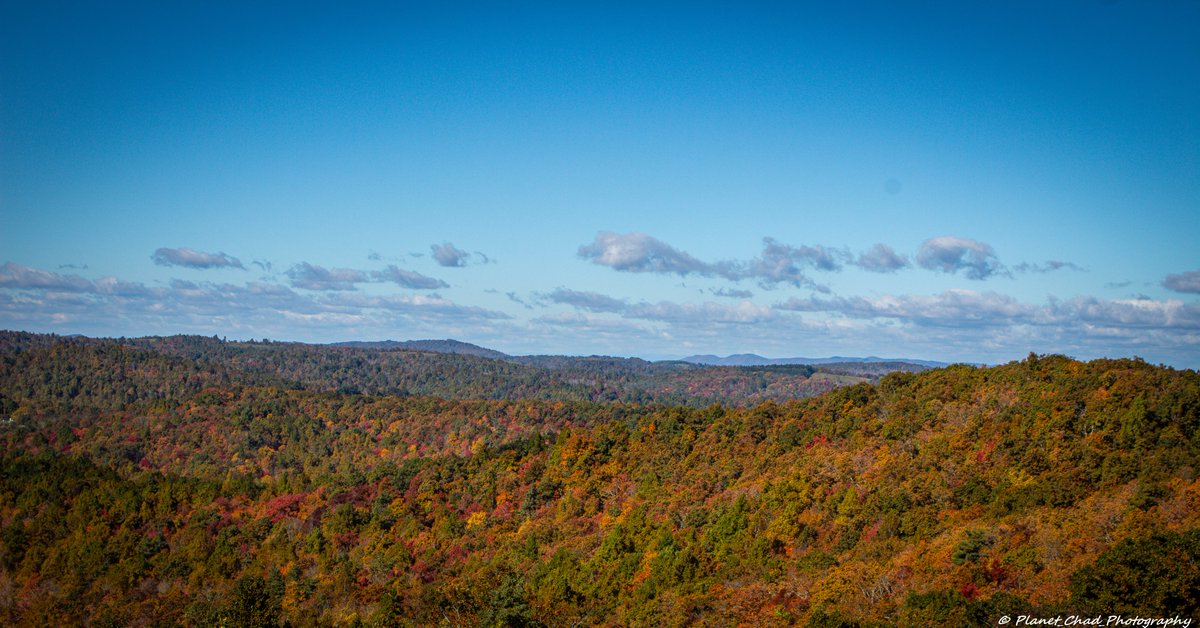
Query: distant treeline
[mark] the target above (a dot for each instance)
(108, 373)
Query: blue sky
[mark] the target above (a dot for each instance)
(956, 181)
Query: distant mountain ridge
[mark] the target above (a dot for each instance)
(751, 359)
(450, 345)
(437, 346)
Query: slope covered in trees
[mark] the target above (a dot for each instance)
(948, 496)
(106, 373)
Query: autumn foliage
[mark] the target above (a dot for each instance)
(179, 490)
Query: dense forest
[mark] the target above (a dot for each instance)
(191, 481)
(108, 373)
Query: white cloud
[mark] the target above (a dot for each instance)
(640, 253)
(20, 277)
(778, 264)
(953, 324)
(949, 254)
(952, 307)
(882, 259)
(446, 254)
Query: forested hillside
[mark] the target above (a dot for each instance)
(178, 485)
(105, 373)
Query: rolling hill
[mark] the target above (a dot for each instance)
(178, 480)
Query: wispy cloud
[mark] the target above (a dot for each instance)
(1125, 314)
(512, 296)
(953, 307)
(732, 293)
(414, 304)
(1188, 282)
(950, 254)
(590, 301)
(972, 309)
(408, 278)
(312, 277)
(191, 258)
(116, 287)
(743, 313)
(1046, 267)
(664, 311)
